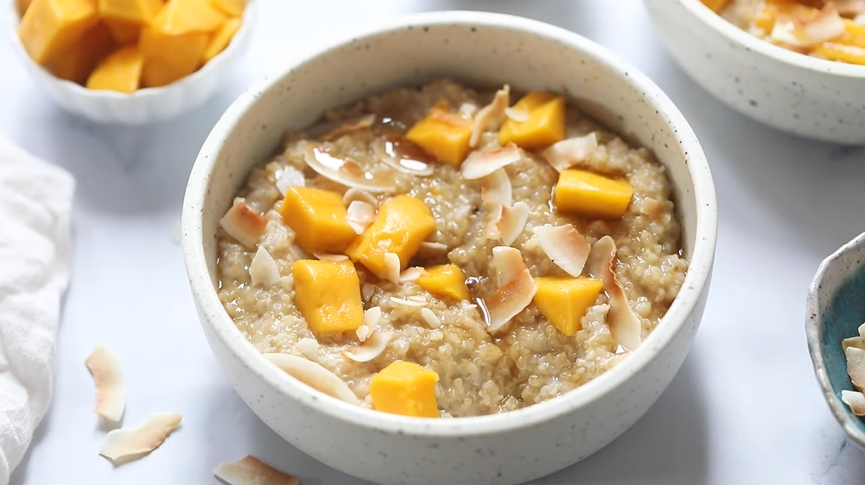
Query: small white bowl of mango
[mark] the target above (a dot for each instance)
(130, 62)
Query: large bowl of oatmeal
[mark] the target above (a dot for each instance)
(466, 247)
(793, 65)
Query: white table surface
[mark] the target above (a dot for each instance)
(744, 409)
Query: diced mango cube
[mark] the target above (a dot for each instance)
(854, 34)
(445, 280)
(442, 134)
(401, 225)
(832, 51)
(233, 8)
(591, 195)
(82, 58)
(50, 28)
(405, 388)
(715, 5)
(327, 294)
(120, 71)
(545, 125)
(124, 31)
(564, 301)
(318, 219)
(139, 12)
(178, 17)
(168, 57)
(221, 38)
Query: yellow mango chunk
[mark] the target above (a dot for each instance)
(221, 39)
(120, 71)
(564, 301)
(168, 58)
(139, 12)
(442, 134)
(50, 28)
(82, 58)
(715, 5)
(233, 8)
(318, 219)
(850, 54)
(446, 280)
(545, 125)
(402, 223)
(178, 17)
(327, 294)
(124, 31)
(591, 195)
(405, 388)
(854, 34)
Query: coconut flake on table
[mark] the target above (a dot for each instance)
(572, 151)
(263, 269)
(491, 116)
(626, 326)
(370, 348)
(514, 295)
(249, 470)
(565, 247)
(289, 177)
(482, 163)
(512, 222)
(128, 444)
(371, 318)
(243, 224)
(797, 31)
(360, 215)
(392, 267)
(104, 365)
(313, 375)
(346, 171)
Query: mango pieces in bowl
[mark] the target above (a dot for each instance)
(126, 45)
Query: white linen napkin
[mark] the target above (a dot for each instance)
(35, 206)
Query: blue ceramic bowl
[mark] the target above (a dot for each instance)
(836, 308)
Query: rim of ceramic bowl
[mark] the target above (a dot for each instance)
(814, 331)
(236, 42)
(683, 306)
(780, 54)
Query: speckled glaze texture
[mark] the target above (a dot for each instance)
(485, 50)
(146, 105)
(806, 96)
(836, 308)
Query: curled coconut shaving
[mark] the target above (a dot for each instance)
(309, 347)
(346, 172)
(252, 471)
(314, 376)
(263, 269)
(496, 192)
(856, 367)
(411, 274)
(508, 262)
(353, 194)
(565, 246)
(518, 115)
(512, 222)
(857, 342)
(371, 348)
(491, 116)
(110, 388)
(567, 153)
(360, 215)
(371, 318)
(392, 267)
(512, 297)
(333, 258)
(289, 177)
(797, 31)
(125, 445)
(482, 163)
(856, 401)
(626, 326)
(243, 224)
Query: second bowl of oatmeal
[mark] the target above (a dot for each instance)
(743, 55)
(466, 247)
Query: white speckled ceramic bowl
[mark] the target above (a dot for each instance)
(485, 50)
(147, 105)
(809, 97)
(836, 308)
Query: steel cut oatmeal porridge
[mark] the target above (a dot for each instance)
(439, 251)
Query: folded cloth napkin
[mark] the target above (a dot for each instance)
(35, 206)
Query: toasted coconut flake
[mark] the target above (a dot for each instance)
(371, 348)
(567, 153)
(480, 164)
(856, 401)
(467, 110)
(857, 342)
(513, 221)
(125, 445)
(430, 318)
(367, 290)
(856, 367)
(263, 269)
(314, 376)
(346, 171)
(565, 246)
(371, 318)
(110, 388)
(509, 300)
(430, 249)
(289, 177)
(360, 215)
(411, 274)
(496, 192)
(362, 123)
(392, 267)
(309, 348)
(518, 115)
(241, 223)
(353, 194)
(508, 262)
(800, 32)
(491, 116)
(252, 471)
(626, 326)
(333, 258)
(406, 302)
